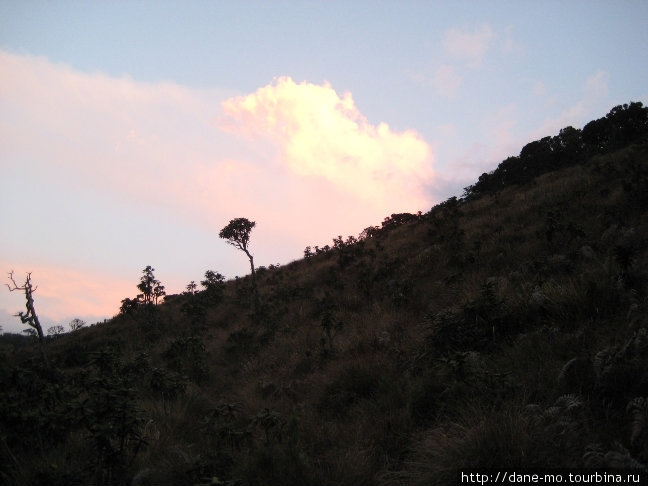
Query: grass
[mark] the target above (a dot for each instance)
(473, 338)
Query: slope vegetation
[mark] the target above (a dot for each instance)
(504, 328)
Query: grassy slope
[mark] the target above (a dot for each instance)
(507, 330)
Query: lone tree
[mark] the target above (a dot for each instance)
(237, 234)
(30, 317)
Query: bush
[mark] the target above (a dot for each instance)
(354, 384)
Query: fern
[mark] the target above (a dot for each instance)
(619, 457)
(569, 402)
(567, 369)
(597, 457)
(602, 361)
(558, 417)
(640, 342)
(594, 456)
(638, 409)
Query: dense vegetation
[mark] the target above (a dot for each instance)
(506, 327)
(623, 125)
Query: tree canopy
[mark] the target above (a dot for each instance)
(237, 233)
(623, 125)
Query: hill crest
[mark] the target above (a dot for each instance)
(503, 328)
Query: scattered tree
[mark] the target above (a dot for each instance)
(152, 289)
(76, 324)
(151, 292)
(398, 219)
(193, 305)
(55, 330)
(128, 306)
(31, 333)
(213, 284)
(369, 232)
(191, 288)
(237, 234)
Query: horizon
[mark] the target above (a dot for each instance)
(133, 133)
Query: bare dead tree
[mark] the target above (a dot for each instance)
(30, 317)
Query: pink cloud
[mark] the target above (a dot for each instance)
(469, 46)
(132, 173)
(153, 143)
(323, 136)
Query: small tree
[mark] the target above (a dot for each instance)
(214, 285)
(129, 306)
(191, 289)
(76, 324)
(193, 305)
(144, 305)
(152, 289)
(237, 234)
(56, 330)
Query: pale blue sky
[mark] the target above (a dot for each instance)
(112, 141)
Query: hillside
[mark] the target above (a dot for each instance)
(507, 327)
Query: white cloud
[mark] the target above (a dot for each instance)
(539, 88)
(509, 45)
(469, 46)
(322, 135)
(504, 137)
(446, 81)
(596, 85)
(499, 141)
(590, 105)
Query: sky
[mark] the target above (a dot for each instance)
(132, 132)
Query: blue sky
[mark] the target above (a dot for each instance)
(131, 132)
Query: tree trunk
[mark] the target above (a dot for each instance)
(255, 289)
(30, 317)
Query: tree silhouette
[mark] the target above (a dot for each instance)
(55, 330)
(30, 317)
(152, 289)
(237, 234)
(213, 284)
(144, 304)
(76, 324)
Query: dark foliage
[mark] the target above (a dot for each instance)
(623, 125)
(504, 328)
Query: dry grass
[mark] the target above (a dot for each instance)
(379, 401)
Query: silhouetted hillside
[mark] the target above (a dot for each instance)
(506, 328)
(622, 126)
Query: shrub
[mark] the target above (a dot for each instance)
(354, 384)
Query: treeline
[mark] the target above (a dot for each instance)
(623, 125)
(390, 222)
